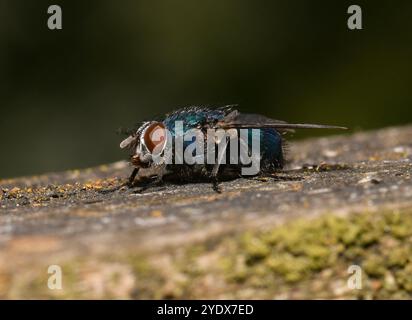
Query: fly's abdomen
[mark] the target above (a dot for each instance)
(271, 145)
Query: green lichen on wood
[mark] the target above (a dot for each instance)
(304, 258)
(304, 251)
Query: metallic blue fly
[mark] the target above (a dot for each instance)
(143, 145)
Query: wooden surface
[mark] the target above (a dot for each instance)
(60, 218)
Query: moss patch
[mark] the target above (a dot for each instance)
(300, 259)
(310, 258)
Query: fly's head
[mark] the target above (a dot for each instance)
(146, 143)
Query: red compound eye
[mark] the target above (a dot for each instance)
(155, 137)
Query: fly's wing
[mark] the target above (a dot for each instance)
(239, 120)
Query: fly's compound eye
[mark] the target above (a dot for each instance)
(154, 137)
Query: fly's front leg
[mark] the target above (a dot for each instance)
(157, 181)
(130, 183)
(138, 162)
(132, 177)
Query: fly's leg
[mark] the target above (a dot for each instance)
(215, 170)
(129, 183)
(213, 177)
(157, 181)
(132, 177)
(221, 155)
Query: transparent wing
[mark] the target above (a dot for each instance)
(249, 120)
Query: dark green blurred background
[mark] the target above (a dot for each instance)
(65, 93)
